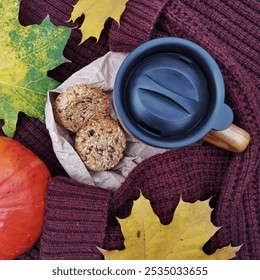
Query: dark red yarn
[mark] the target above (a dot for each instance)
(80, 217)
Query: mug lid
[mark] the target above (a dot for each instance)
(163, 92)
(167, 94)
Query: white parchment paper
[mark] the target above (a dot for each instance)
(101, 73)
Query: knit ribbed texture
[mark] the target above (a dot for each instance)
(237, 25)
(80, 217)
(75, 222)
(136, 24)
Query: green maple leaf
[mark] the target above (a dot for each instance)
(26, 54)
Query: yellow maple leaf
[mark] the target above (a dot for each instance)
(147, 239)
(96, 13)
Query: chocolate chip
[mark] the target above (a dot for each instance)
(91, 132)
(111, 149)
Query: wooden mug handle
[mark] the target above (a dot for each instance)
(233, 139)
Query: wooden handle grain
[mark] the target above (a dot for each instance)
(233, 139)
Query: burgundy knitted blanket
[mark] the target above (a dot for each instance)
(80, 217)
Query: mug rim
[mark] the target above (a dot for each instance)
(206, 63)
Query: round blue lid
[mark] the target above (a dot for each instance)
(169, 92)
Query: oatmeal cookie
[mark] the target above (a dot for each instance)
(100, 143)
(77, 104)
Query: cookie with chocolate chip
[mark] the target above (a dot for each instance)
(100, 143)
(77, 104)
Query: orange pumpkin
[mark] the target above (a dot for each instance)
(23, 182)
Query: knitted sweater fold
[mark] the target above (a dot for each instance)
(75, 222)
